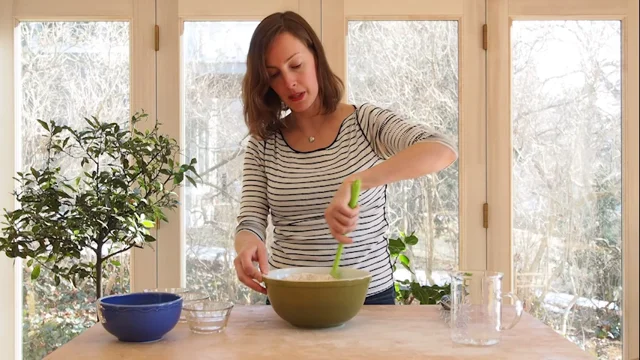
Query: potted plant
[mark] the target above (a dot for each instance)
(409, 291)
(116, 184)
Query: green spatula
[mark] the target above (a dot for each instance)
(355, 192)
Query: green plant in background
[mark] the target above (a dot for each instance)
(121, 182)
(408, 291)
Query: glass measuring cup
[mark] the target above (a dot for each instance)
(476, 307)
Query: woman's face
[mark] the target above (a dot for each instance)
(292, 72)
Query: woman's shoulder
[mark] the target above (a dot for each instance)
(367, 110)
(253, 140)
(256, 144)
(369, 114)
(365, 106)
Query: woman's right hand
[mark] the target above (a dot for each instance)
(252, 250)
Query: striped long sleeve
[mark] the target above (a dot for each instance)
(388, 133)
(254, 206)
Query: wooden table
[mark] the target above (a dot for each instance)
(377, 332)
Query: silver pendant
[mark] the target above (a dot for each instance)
(311, 139)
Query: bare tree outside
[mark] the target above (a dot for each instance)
(566, 115)
(68, 71)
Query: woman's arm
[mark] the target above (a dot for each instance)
(252, 219)
(409, 151)
(254, 206)
(417, 160)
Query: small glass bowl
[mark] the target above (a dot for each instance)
(207, 316)
(190, 297)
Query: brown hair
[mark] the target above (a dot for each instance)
(262, 106)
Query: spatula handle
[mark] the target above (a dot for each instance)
(355, 193)
(353, 202)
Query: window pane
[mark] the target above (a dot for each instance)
(214, 64)
(411, 67)
(566, 114)
(68, 71)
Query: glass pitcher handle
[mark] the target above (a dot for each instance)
(519, 309)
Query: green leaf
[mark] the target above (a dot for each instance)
(30, 262)
(178, 178)
(147, 223)
(115, 262)
(411, 240)
(193, 182)
(149, 238)
(396, 246)
(429, 295)
(421, 294)
(43, 124)
(35, 272)
(408, 268)
(404, 259)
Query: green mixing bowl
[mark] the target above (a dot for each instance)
(317, 304)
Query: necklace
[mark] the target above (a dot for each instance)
(309, 138)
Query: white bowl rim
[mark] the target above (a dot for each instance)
(315, 270)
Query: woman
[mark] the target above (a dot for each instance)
(299, 168)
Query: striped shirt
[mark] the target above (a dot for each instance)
(296, 187)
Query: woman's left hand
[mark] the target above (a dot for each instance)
(339, 216)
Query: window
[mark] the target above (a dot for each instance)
(68, 71)
(567, 177)
(411, 67)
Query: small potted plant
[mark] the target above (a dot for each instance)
(116, 184)
(410, 291)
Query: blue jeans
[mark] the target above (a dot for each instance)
(386, 297)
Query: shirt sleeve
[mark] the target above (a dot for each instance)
(254, 206)
(389, 134)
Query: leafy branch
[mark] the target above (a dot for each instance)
(123, 181)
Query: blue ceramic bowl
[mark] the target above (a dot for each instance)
(139, 317)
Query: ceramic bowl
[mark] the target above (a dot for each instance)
(317, 304)
(139, 317)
